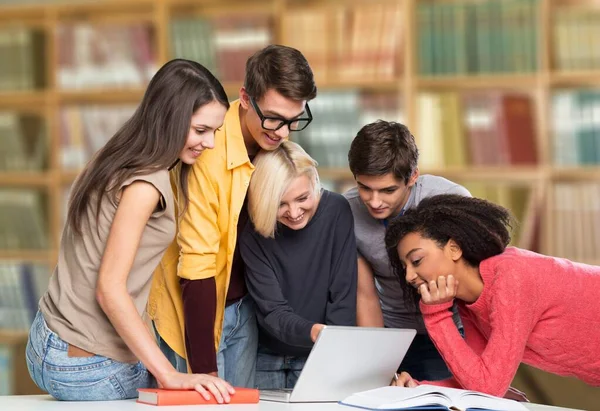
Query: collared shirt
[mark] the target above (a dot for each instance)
(207, 232)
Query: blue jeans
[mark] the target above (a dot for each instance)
(236, 359)
(423, 361)
(277, 371)
(176, 360)
(67, 378)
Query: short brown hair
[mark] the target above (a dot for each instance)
(384, 147)
(281, 68)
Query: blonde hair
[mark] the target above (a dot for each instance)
(274, 172)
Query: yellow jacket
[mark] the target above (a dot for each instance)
(207, 232)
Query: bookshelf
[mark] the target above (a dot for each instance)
(412, 62)
(12, 337)
(404, 80)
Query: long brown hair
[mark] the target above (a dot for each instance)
(152, 139)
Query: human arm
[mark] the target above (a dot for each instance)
(368, 306)
(510, 303)
(198, 241)
(200, 297)
(137, 203)
(273, 311)
(477, 342)
(473, 338)
(342, 295)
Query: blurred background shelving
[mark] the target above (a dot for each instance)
(502, 96)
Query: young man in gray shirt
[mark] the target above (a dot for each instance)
(383, 159)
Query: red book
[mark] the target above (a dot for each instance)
(159, 396)
(516, 123)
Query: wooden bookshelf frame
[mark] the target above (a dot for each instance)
(8, 337)
(160, 12)
(540, 178)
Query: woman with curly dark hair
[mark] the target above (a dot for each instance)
(516, 305)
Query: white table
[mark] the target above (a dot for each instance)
(47, 403)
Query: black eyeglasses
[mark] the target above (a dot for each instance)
(275, 123)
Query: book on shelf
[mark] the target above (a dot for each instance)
(22, 52)
(529, 222)
(484, 37)
(85, 129)
(576, 37)
(368, 42)
(192, 38)
(23, 220)
(338, 116)
(304, 29)
(24, 142)
(476, 128)
(524, 203)
(575, 212)
(160, 396)
(576, 127)
(105, 55)
(429, 397)
(500, 128)
(222, 43)
(237, 37)
(348, 42)
(22, 285)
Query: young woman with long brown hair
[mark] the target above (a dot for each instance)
(89, 341)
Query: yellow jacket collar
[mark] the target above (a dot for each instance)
(236, 152)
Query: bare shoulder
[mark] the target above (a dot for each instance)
(140, 194)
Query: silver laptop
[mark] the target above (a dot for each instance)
(345, 360)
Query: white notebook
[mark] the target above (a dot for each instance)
(432, 397)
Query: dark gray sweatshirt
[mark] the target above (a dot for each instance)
(303, 277)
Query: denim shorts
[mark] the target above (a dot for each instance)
(94, 378)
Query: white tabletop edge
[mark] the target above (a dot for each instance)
(47, 403)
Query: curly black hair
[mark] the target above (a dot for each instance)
(480, 228)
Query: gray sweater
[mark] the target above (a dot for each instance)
(303, 277)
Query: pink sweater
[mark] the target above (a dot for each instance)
(543, 311)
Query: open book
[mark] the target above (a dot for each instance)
(429, 397)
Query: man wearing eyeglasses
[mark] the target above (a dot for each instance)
(199, 304)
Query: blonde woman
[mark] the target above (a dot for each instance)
(301, 264)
